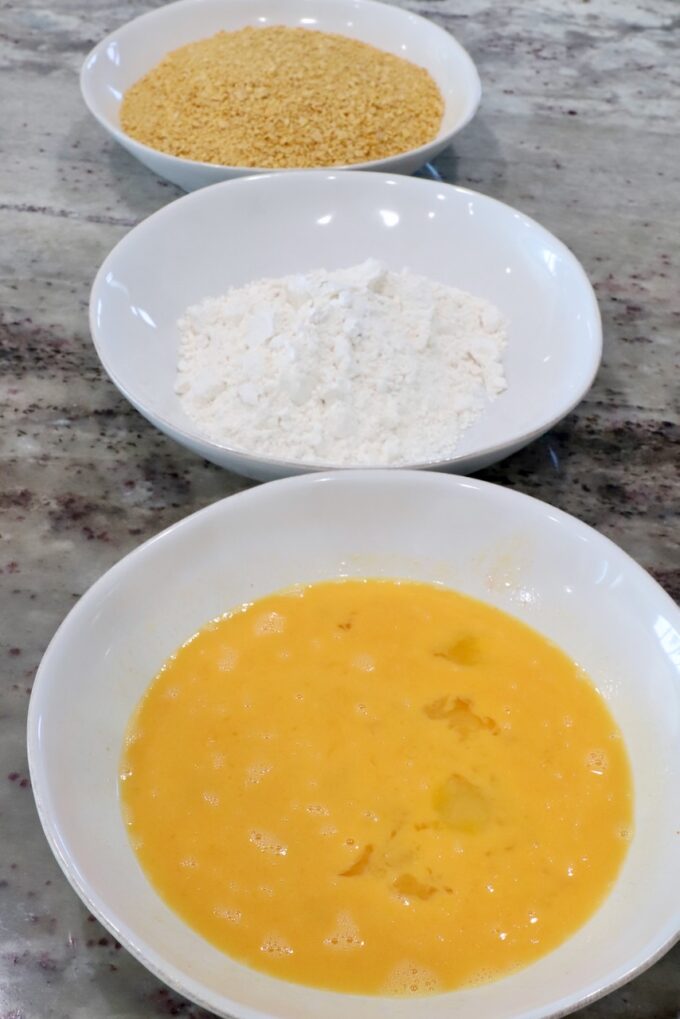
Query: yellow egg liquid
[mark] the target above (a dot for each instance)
(377, 787)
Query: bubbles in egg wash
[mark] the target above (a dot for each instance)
(411, 978)
(227, 660)
(364, 662)
(268, 623)
(274, 944)
(256, 772)
(345, 935)
(267, 843)
(597, 762)
(228, 913)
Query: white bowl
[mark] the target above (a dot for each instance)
(123, 57)
(542, 566)
(231, 234)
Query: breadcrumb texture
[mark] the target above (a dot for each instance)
(282, 97)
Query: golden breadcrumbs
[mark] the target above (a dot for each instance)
(282, 97)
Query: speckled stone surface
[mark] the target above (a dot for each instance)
(578, 128)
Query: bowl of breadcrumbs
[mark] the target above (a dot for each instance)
(204, 90)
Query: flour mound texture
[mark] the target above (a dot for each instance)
(354, 367)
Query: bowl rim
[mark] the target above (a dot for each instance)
(473, 97)
(242, 456)
(38, 778)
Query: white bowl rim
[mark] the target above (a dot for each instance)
(395, 476)
(497, 451)
(440, 140)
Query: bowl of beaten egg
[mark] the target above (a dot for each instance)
(206, 319)
(204, 90)
(388, 743)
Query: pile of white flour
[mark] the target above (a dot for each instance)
(359, 366)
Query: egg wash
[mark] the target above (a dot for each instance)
(376, 787)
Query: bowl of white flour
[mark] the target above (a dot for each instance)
(306, 320)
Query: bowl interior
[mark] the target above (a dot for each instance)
(132, 50)
(247, 229)
(540, 565)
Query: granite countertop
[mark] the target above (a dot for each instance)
(578, 128)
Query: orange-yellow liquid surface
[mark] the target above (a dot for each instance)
(377, 787)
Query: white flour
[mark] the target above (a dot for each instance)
(359, 366)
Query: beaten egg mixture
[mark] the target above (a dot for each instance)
(377, 787)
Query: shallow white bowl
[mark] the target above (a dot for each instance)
(231, 234)
(544, 567)
(123, 57)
